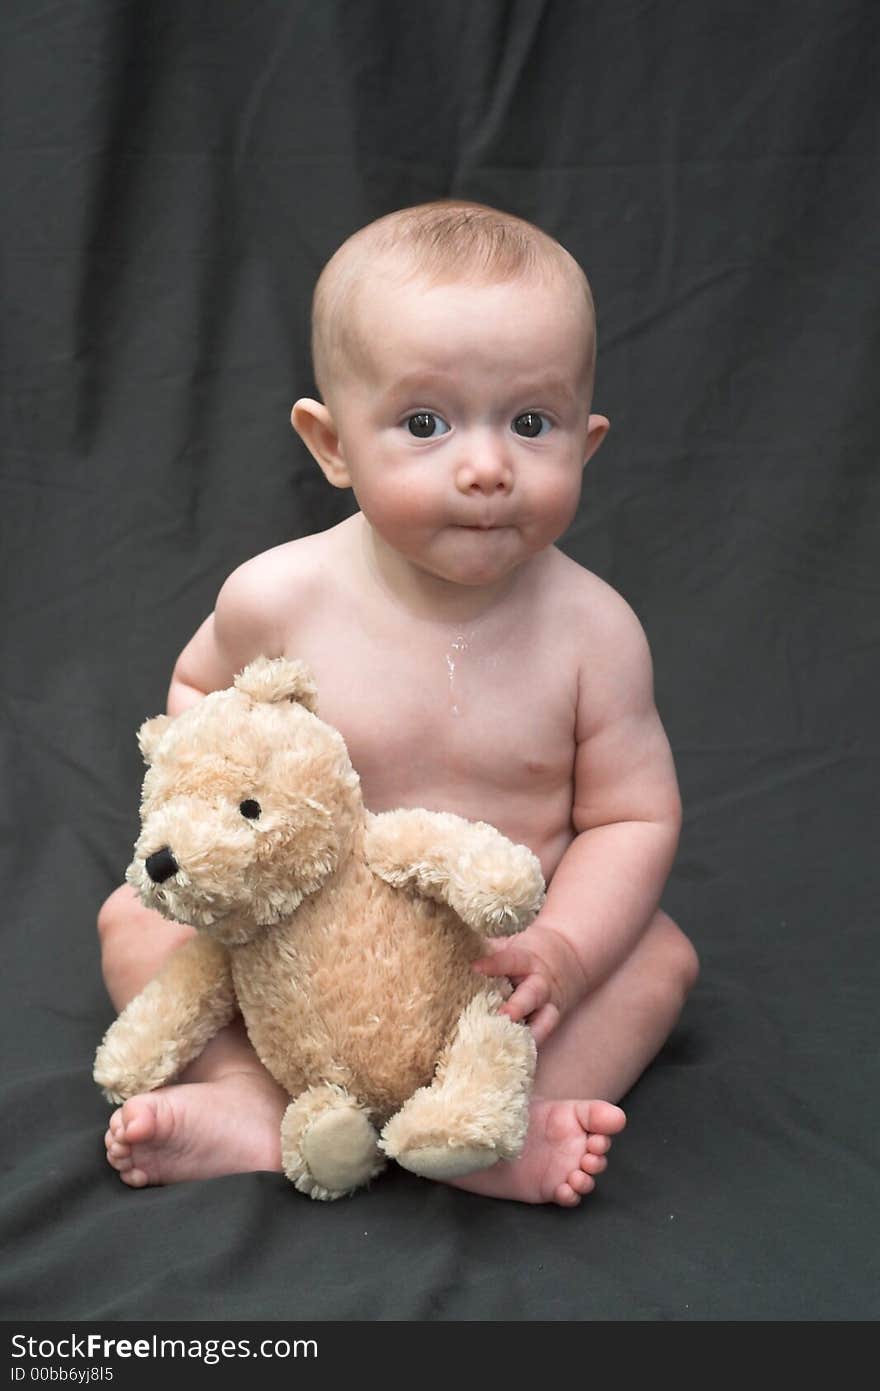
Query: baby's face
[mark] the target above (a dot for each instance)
(466, 428)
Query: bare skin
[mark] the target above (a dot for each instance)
(471, 667)
(224, 1116)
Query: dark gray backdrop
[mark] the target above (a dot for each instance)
(174, 176)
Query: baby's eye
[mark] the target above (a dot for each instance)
(425, 425)
(531, 424)
(250, 809)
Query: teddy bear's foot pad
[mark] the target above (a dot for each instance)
(447, 1161)
(340, 1149)
(329, 1147)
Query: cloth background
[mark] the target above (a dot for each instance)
(174, 176)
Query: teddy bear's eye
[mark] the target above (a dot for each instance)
(250, 809)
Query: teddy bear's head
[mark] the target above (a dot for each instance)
(249, 803)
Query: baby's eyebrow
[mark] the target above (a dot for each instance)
(529, 391)
(540, 389)
(417, 381)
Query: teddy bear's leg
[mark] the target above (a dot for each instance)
(476, 1110)
(329, 1146)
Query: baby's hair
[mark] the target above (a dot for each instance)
(445, 241)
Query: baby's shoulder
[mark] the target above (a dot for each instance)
(281, 575)
(615, 674)
(267, 591)
(589, 605)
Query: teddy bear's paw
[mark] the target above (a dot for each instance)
(122, 1069)
(493, 911)
(328, 1144)
(445, 1161)
(113, 1094)
(492, 884)
(433, 1137)
(496, 886)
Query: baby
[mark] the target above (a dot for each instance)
(470, 666)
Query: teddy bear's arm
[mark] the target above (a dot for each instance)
(493, 885)
(168, 1023)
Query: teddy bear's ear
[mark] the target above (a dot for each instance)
(275, 679)
(150, 734)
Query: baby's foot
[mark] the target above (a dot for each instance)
(564, 1150)
(198, 1130)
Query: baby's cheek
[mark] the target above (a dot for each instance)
(398, 505)
(555, 503)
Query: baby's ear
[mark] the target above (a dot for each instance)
(597, 428)
(274, 679)
(150, 734)
(314, 425)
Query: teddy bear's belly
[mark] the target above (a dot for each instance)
(366, 999)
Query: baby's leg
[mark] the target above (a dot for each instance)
(135, 944)
(600, 1050)
(231, 1121)
(604, 1047)
(232, 1124)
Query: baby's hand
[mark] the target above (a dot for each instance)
(546, 973)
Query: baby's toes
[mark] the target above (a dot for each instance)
(565, 1196)
(113, 1142)
(135, 1178)
(598, 1144)
(594, 1164)
(602, 1117)
(569, 1193)
(119, 1155)
(580, 1182)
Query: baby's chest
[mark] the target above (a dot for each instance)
(467, 726)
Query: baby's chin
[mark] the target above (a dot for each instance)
(476, 557)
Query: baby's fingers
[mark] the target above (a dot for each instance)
(505, 961)
(544, 1022)
(530, 995)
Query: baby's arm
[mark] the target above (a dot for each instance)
(627, 815)
(244, 625)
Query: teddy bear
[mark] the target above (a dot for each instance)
(345, 938)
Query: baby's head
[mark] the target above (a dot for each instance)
(454, 347)
(444, 243)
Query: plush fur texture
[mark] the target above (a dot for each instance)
(345, 939)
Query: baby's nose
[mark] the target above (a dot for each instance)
(485, 468)
(161, 865)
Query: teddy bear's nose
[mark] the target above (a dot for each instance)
(161, 865)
